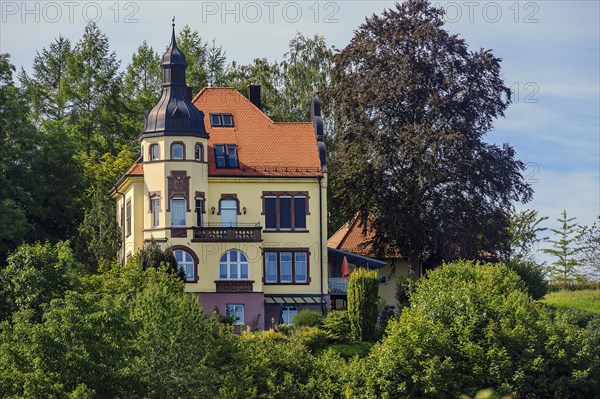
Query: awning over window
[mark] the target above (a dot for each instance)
(293, 299)
(356, 260)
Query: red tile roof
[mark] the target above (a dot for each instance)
(265, 148)
(351, 238)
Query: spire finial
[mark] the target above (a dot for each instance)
(173, 20)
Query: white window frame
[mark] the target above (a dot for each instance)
(173, 201)
(287, 311)
(238, 309)
(173, 147)
(155, 210)
(154, 152)
(186, 264)
(225, 263)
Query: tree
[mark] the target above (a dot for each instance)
(153, 256)
(195, 50)
(523, 235)
(34, 204)
(589, 241)
(216, 67)
(95, 91)
(565, 269)
(472, 326)
(47, 88)
(412, 105)
(34, 275)
(141, 85)
(363, 288)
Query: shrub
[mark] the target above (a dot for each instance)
(307, 318)
(337, 326)
(312, 338)
(363, 288)
(474, 326)
(534, 277)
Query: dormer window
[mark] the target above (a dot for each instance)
(221, 120)
(198, 152)
(177, 151)
(226, 156)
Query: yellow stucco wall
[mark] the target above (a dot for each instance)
(249, 192)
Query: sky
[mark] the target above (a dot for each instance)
(550, 52)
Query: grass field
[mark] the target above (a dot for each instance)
(586, 300)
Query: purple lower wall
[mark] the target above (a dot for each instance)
(254, 304)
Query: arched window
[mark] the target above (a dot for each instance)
(198, 152)
(185, 262)
(177, 151)
(233, 266)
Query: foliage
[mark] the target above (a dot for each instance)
(584, 300)
(410, 149)
(350, 350)
(94, 88)
(589, 255)
(565, 269)
(523, 231)
(307, 318)
(405, 286)
(337, 326)
(153, 256)
(313, 338)
(533, 275)
(471, 326)
(36, 274)
(40, 180)
(127, 333)
(363, 288)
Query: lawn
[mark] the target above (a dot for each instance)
(586, 300)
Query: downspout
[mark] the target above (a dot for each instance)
(122, 224)
(321, 239)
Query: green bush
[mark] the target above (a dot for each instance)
(474, 326)
(337, 326)
(363, 289)
(307, 318)
(312, 338)
(534, 277)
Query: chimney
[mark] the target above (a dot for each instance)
(254, 91)
(188, 92)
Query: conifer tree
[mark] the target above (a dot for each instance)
(565, 268)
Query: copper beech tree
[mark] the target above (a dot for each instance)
(412, 105)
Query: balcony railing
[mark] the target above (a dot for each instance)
(338, 285)
(232, 232)
(234, 285)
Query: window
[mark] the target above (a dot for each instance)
(177, 212)
(177, 151)
(229, 212)
(221, 120)
(155, 209)
(285, 211)
(185, 262)
(154, 152)
(128, 218)
(199, 208)
(236, 311)
(286, 267)
(288, 313)
(227, 120)
(226, 156)
(198, 152)
(383, 280)
(233, 266)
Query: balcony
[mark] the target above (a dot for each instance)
(234, 285)
(217, 232)
(338, 285)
